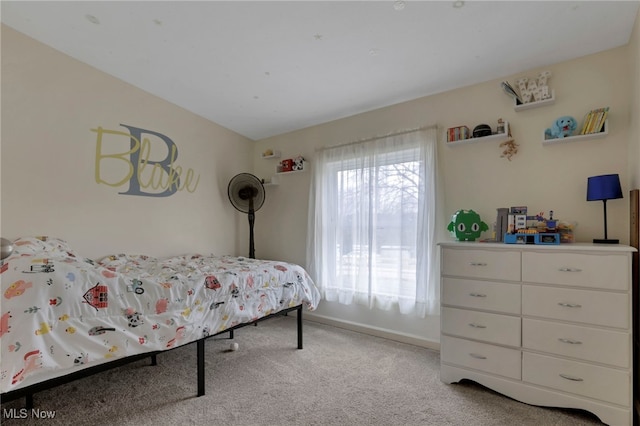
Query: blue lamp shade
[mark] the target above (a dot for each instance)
(604, 187)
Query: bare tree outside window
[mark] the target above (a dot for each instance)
(387, 250)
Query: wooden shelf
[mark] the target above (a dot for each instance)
(576, 138)
(495, 137)
(536, 104)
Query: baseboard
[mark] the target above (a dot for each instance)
(373, 331)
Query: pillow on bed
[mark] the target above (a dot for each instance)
(44, 245)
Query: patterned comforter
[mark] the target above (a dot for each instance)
(62, 312)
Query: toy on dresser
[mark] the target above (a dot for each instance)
(523, 229)
(466, 225)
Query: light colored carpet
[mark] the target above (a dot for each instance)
(339, 378)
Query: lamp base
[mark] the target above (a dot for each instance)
(602, 241)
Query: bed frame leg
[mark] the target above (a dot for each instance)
(154, 359)
(29, 401)
(200, 350)
(230, 334)
(299, 317)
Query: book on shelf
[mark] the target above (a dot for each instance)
(598, 120)
(509, 90)
(589, 122)
(602, 117)
(585, 122)
(594, 121)
(457, 133)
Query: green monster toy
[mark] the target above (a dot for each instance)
(466, 225)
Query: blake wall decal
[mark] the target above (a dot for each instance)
(146, 176)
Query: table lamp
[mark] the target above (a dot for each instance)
(604, 187)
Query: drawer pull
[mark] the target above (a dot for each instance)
(569, 270)
(572, 378)
(476, 356)
(478, 264)
(570, 341)
(569, 305)
(474, 325)
(477, 295)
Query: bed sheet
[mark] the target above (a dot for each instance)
(61, 312)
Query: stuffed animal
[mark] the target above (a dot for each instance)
(298, 163)
(561, 128)
(466, 225)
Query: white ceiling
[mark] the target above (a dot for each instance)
(269, 67)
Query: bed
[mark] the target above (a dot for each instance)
(64, 316)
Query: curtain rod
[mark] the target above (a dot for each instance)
(400, 132)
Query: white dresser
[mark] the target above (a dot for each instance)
(545, 325)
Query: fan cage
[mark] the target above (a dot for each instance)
(241, 187)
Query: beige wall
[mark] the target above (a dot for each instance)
(50, 103)
(542, 177)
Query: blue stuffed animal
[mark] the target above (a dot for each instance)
(561, 128)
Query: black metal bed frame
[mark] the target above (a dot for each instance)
(28, 391)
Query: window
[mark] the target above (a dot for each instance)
(372, 222)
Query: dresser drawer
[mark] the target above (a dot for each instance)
(493, 328)
(584, 306)
(587, 343)
(490, 296)
(481, 356)
(606, 384)
(582, 270)
(498, 264)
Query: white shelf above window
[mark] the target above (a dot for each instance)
(589, 136)
(536, 104)
(495, 137)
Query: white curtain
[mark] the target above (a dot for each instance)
(372, 227)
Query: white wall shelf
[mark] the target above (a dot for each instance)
(576, 138)
(271, 181)
(495, 137)
(292, 172)
(276, 154)
(305, 167)
(536, 104)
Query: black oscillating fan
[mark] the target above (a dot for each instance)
(246, 193)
